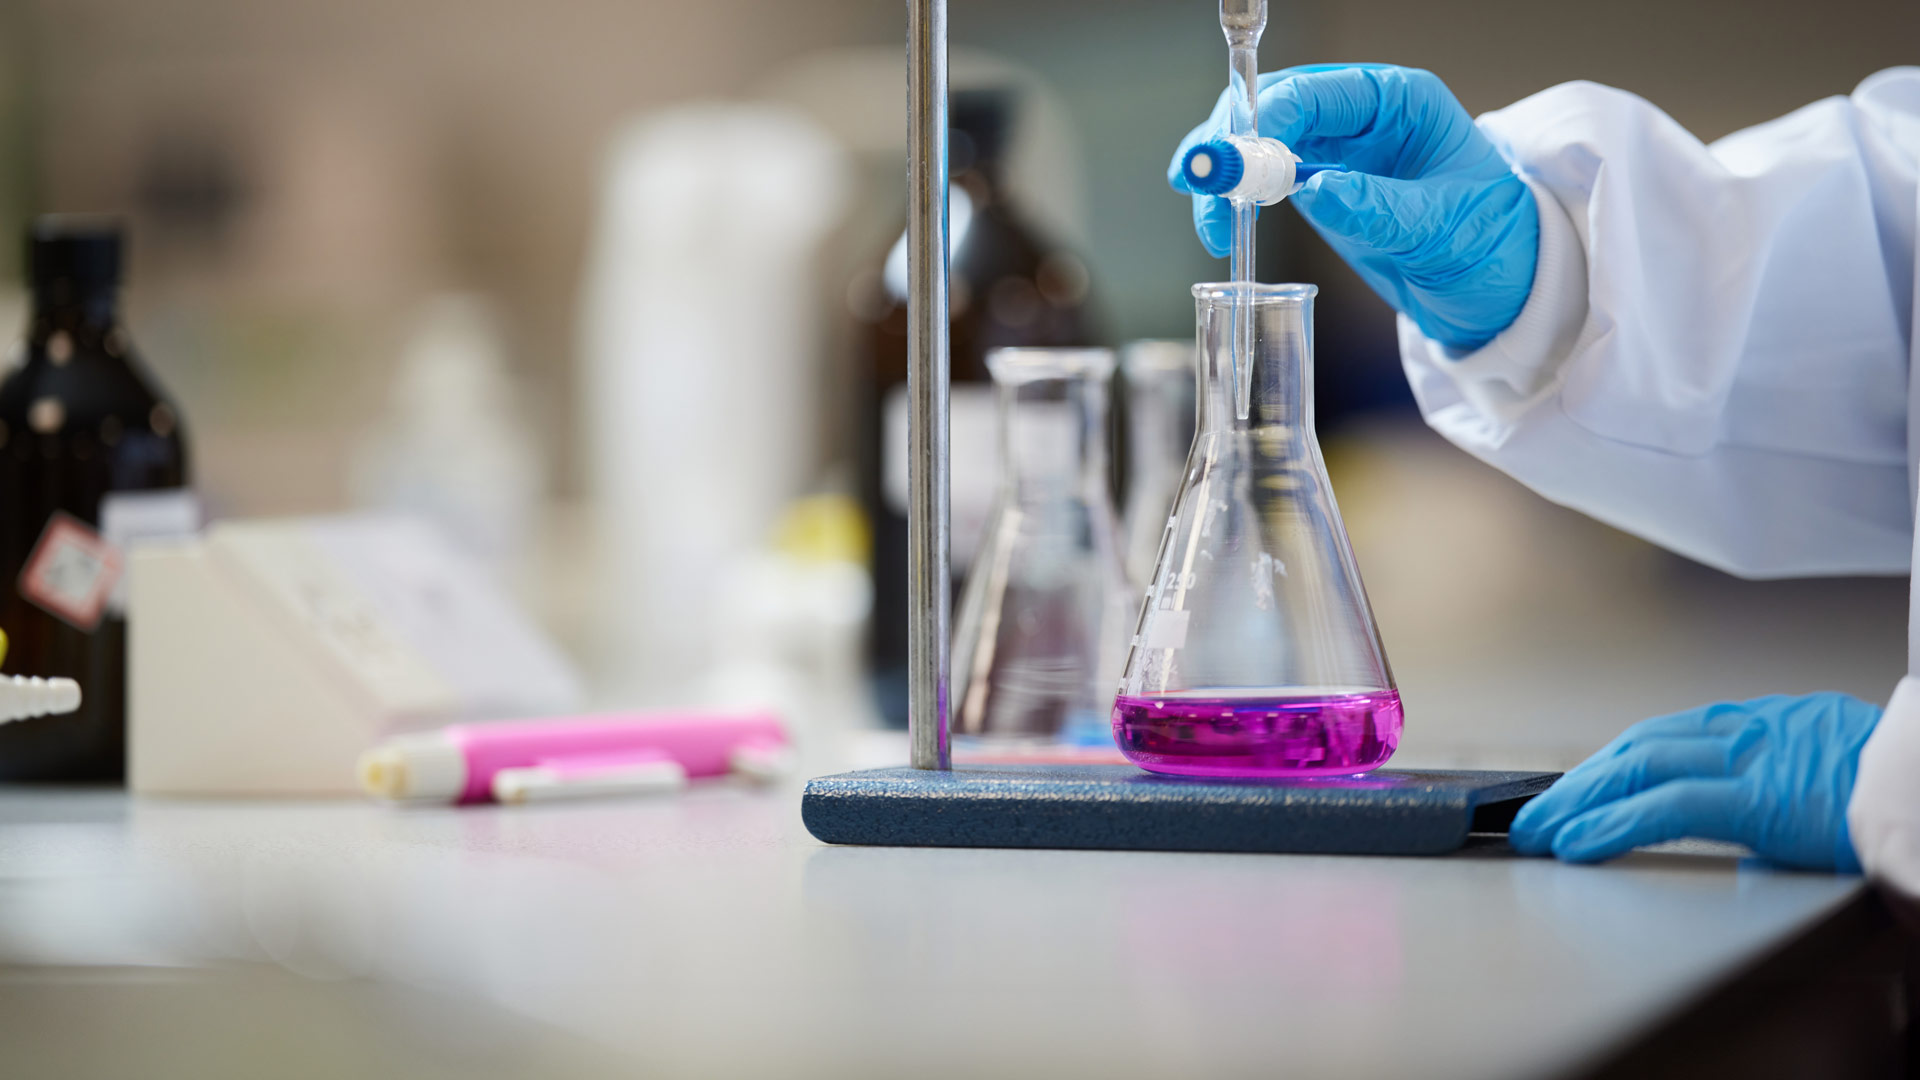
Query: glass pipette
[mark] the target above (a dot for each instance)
(1242, 21)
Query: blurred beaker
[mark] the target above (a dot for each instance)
(1044, 618)
(1257, 653)
(1157, 377)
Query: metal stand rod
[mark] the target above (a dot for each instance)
(927, 524)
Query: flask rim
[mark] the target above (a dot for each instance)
(1262, 292)
(1015, 366)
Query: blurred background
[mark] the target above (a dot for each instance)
(602, 286)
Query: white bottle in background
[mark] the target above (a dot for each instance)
(701, 371)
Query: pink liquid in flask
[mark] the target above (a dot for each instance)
(1265, 735)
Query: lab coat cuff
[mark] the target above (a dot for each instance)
(1504, 377)
(1883, 814)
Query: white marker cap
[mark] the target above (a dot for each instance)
(762, 762)
(541, 783)
(427, 767)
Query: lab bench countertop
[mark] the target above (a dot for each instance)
(709, 935)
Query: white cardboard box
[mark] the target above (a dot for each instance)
(265, 656)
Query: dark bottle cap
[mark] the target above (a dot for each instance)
(71, 257)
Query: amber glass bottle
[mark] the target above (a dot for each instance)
(81, 425)
(1010, 286)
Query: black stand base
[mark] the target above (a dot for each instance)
(1119, 807)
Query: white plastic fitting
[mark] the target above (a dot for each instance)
(1256, 170)
(24, 697)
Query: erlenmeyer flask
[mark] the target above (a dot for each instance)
(1158, 377)
(1044, 619)
(1256, 653)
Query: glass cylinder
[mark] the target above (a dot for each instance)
(1043, 622)
(1158, 381)
(1256, 653)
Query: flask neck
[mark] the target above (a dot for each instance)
(1281, 393)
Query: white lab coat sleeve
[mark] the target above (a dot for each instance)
(1714, 355)
(1883, 816)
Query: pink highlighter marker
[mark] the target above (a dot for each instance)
(617, 753)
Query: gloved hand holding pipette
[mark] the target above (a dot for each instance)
(1426, 209)
(1708, 345)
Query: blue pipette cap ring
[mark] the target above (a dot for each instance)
(1213, 167)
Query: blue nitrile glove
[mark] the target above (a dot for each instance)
(1430, 214)
(1774, 773)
